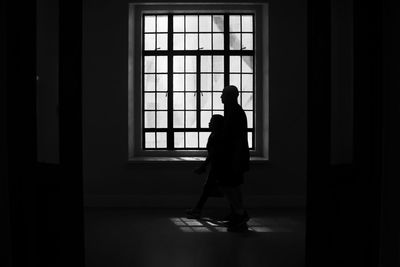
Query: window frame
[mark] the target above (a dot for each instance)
(135, 87)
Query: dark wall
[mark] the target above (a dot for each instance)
(107, 173)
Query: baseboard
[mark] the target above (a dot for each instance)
(184, 201)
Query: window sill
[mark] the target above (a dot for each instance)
(183, 159)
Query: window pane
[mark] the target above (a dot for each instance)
(178, 63)
(150, 140)
(179, 24)
(179, 82)
(191, 24)
(247, 82)
(161, 140)
(249, 115)
(234, 41)
(247, 23)
(190, 119)
(162, 82)
(179, 101)
(149, 119)
(234, 63)
(162, 101)
(162, 42)
(205, 41)
(190, 64)
(205, 82)
(247, 41)
(191, 140)
(250, 139)
(203, 136)
(149, 41)
(218, 63)
(178, 119)
(190, 82)
(149, 64)
(162, 24)
(234, 79)
(205, 64)
(162, 64)
(191, 42)
(149, 101)
(234, 23)
(247, 64)
(205, 117)
(162, 119)
(247, 101)
(218, 23)
(149, 82)
(179, 140)
(218, 41)
(217, 103)
(178, 41)
(218, 82)
(149, 24)
(191, 101)
(205, 23)
(205, 101)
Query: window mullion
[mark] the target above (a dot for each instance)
(198, 92)
(198, 84)
(143, 94)
(170, 133)
(226, 50)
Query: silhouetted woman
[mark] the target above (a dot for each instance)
(215, 158)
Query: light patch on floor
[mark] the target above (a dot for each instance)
(208, 225)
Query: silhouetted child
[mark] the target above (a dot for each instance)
(215, 159)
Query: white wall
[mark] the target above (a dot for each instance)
(108, 177)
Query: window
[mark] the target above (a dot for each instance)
(187, 59)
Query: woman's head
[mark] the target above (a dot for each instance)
(216, 122)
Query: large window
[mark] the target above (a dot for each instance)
(187, 59)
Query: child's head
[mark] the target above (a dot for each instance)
(216, 122)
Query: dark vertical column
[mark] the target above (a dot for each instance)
(365, 202)
(47, 81)
(319, 194)
(20, 86)
(5, 225)
(70, 216)
(390, 233)
(342, 83)
(343, 205)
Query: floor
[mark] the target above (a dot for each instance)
(164, 237)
